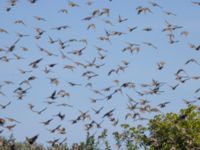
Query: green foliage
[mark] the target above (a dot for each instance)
(164, 132)
(89, 144)
(167, 132)
(177, 131)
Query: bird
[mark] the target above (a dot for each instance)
(72, 4)
(2, 121)
(91, 26)
(130, 29)
(5, 106)
(95, 13)
(150, 44)
(19, 22)
(147, 29)
(63, 93)
(109, 113)
(155, 4)
(61, 116)
(132, 106)
(184, 33)
(197, 90)
(3, 30)
(61, 27)
(32, 140)
(10, 127)
(188, 102)
(141, 9)
(35, 63)
(87, 18)
(53, 95)
(174, 87)
(47, 122)
(169, 13)
(63, 11)
(120, 19)
(12, 120)
(32, 1)
(12, 47)
(196, 3)
(108, 22)
(53, 142)
(192, 60)
(52, 41)
(47, 70)
(162, 105)
(89, 2)
(160, 65)
(97, 111)
(73, 84)
(54, 80)
(55, 129)
(31, 106)
(39, 18)
(65, 104)
(98, 125)
(40, 111)
(78, 52)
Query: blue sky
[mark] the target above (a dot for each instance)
(142, 67)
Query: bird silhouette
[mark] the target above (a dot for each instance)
(47, 122)
(97, 111)
(32, 140)
(5, 106)
(109, 113)
(53, 95)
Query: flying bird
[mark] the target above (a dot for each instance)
(32, 140)
(5, 106)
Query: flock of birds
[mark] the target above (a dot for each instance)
(55, 56)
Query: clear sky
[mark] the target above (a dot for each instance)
(142, 67)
